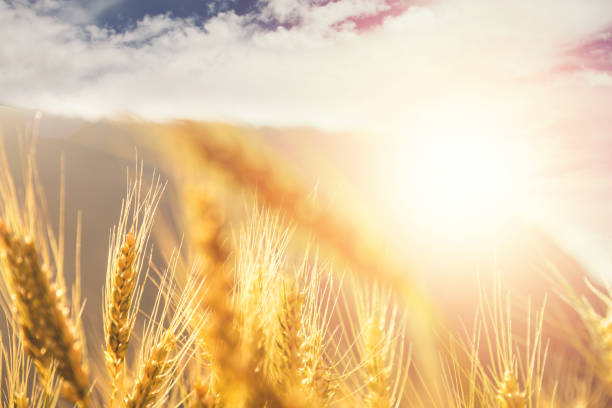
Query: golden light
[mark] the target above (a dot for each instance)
(467, 174)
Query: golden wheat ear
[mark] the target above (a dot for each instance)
(509, 394)
(19, 386)
(519, 368)
(168, 340)
(126, 262)
(594, 344)
(299, 364)
(282, 315)
(155, 371)
(381, 348)
(291, 335)
(47, 332)
(506, 368)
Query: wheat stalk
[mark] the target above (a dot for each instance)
(206, 226)
(220, 336)
(219, 339)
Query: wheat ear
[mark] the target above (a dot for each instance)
(381, 349)
(206, 226)
(507, 363)
(302, 372)
(153, 373)
(122, 294)
(377, 382)
(509, 394)
(291, 337)
(165, 351)
(119, 325)
(222, 340)
(21, 387)
(48, 333)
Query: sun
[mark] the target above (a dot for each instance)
(467, 174)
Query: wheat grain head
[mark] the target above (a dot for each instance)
(168, 339)
(127, 261)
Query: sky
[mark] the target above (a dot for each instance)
(539, 71)
(345, 64)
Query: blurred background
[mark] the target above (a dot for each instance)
(447, 237)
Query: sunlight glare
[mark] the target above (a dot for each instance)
(468, 174)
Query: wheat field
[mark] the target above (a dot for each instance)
(269, 297)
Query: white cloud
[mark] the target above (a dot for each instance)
(498, 58)
(315, 73)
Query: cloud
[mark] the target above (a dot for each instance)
(320, 71)
(537, 69)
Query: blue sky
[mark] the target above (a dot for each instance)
(124, 14)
